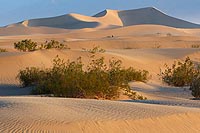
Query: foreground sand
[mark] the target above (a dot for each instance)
(36, 114)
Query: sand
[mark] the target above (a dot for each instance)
(77, 115)
(144, 46)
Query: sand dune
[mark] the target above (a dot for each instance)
(107, 19)
(148, 15)
(138, 58)
(144, 39)
(21, 30)
(73, 115)
(152, 16)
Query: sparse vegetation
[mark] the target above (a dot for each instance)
(95, 49)
(128, 48)
(29, 45)
(195, 87)
(26, 45)
(110, 36)
(181, 73)
(169, 34)
(53, 44)
(3, 50)
(157, 45)
(69, 79)
(196, 46)
(133, 95)
(184, 74)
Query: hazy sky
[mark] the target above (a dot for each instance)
(12, 11)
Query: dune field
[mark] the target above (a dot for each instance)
(143, 38)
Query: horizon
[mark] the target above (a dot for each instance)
(25, 10)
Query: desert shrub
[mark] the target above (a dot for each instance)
(157, 45)
(119, 75)
(95, 49)
(181, 73)
(53, 44)
(169, 34)
(69, 79)
(64, 79)
(26, 45)
(2, 50)
(31, 76)
(128, 47)
(196, 46)
(29, 45)
(195, 87)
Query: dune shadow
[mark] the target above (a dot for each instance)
(13, 90)
(188, 103)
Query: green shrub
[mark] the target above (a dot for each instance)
(181, 73)
(26, 45)
(31, 76)
(53, 44)
(2, 50)
(29, 45)
(69, 79)
(195, 87)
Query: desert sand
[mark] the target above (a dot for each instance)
(140, 43)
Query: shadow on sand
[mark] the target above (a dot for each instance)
(13, 90)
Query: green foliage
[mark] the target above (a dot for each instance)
(29, 45)
(2, 50)
(25, 45)
(180, 74)
(53, 44)
(69, 79)
(30, 76)
(195, 87)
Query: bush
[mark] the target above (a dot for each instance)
(180, 74)
(31, 76)
(26, 45)
(53, 44)
(195, 87)
(29, 45)
(69, 79)
(2, 50)
(95, 49)
(196, 46)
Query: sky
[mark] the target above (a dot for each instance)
(12, 11)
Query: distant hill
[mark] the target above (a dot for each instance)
(106, 19)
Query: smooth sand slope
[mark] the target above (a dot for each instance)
(146, 43)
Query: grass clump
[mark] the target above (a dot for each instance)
(69, 79)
